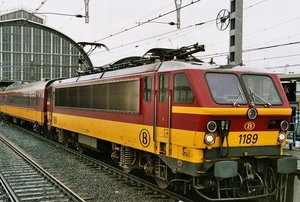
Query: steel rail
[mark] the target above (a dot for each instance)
(42, 171)
(8, 190)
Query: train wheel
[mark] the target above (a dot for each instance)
(162, 183)
(126, 170)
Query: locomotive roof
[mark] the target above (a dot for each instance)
(155, 67)
(153, 55)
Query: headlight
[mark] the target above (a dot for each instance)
(284, 125)
(252, 113)
(281, 136)
(209, 138)
(211, 126)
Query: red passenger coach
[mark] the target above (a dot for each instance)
(186, 123)
(26, 102)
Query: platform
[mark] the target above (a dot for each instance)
(293, 184)
(293, 152)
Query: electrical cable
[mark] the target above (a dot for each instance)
(205, 23)
(253, 49)
(148, 21)
(40, 6)
(152, 37)
(2, 4)
(72, 17)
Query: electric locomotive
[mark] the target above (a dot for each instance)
(186, 123)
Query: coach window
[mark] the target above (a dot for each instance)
(37, 99)
(33, 99)
(163, 90)
(182, 89)
(147, 89)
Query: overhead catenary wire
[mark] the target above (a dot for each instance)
(148, 21)
(40, 6)
(179, 33)
(152, 37)
(275, 57)
(162, 15)
(255, 4)
(2, 4)
(203, 24)
(252, 49)
(114, 31)
(71, 17)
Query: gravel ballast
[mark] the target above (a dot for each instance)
(69, 169)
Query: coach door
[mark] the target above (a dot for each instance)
(49, 106)
(163, 111)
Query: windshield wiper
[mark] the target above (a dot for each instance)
(254, 96)
(241, 93)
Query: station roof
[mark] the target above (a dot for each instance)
(289, 77)
(28, 23)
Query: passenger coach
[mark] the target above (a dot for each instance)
(26, 103)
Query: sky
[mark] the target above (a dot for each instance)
(271, 32)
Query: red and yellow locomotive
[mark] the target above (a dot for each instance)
(186, 123)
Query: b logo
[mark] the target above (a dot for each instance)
(144, 138)
(249, 125)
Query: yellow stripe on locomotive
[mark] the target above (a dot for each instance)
(217, 111)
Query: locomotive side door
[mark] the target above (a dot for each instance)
(163, 111)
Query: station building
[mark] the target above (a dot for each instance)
(31, 51)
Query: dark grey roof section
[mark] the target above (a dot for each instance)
(5, 84)
(36, 85)
(26, 23)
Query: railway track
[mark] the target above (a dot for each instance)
(6, 194)
(24, 180)
(130, 180)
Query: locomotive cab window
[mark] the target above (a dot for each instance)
(261, 89)
(182, 89)
(225, 88)
(147, 89)
(163, 90)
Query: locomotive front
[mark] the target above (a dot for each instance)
(247, 119)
